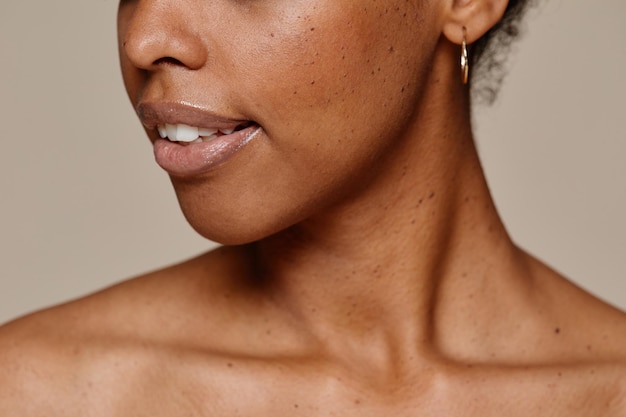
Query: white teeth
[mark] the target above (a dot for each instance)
(171, 131)
(185, 133)
(206, 132)
(209, 138)
(181, 132)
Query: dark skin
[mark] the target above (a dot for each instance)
(366, 271)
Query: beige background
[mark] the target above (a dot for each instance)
(83, 205)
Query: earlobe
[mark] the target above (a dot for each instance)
(476, 16)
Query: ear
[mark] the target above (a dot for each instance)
(477, 16)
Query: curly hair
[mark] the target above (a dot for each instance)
(489, 53)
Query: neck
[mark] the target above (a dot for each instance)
(395, 264)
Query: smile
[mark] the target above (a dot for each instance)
(186, 134)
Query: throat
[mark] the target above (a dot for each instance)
(403, 260)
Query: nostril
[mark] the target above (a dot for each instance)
(168, 60)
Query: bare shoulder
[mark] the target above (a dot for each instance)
(586, 346)
(60, 353)
(583, 328)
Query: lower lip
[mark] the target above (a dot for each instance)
(199, 158)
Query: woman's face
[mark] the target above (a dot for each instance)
(324, 89)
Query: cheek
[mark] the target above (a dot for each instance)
(333, 91)
(343, 67)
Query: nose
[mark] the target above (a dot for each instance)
(157, 32)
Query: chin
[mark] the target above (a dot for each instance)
(234, 220)
(230, 233)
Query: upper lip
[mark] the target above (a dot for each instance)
(154, 114)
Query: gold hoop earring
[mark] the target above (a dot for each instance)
(464, 59)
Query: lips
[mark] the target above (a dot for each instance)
(191, 141)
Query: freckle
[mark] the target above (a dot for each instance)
(557, 330)
(312, 82)
(312, 29)
(391, 49)
(432, 194)
(402, 90)
(296, 406)
(230, 365)
(272, 34)
(357, 401)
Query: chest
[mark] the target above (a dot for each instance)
(272, 397)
